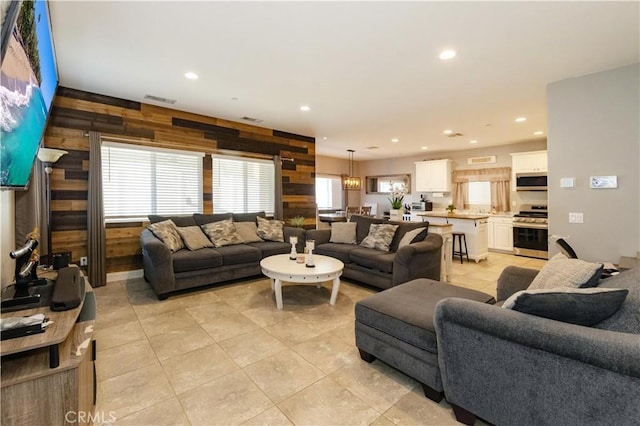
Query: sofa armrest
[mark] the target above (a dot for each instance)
(418, 260)
(514, 279)
(513, 368)
(157, 262)
(290, 231)
(320, 236)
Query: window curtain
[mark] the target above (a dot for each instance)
(30, 212)
(96, 250)
(277, 167)
(499, 177)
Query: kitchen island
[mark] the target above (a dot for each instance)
(475, 227)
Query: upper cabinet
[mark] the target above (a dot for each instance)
(433, 176)
(528, 162)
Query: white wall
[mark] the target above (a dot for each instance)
(7, 236)
(593, 126)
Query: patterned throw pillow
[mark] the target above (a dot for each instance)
(248, 231)
(193, 237)
(343, 233)
(409, 237)
(167, 232)
(222, 233)
(270, 230)
(380, 236)
(560, 271)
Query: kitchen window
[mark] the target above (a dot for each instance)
(329, 192)
(479, 193)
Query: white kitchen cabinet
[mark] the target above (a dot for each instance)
(500, 231)
(433, 176)
(529, 162)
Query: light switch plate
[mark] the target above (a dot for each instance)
(567, 182)
(576, 217)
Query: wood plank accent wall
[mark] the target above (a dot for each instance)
(76, 112)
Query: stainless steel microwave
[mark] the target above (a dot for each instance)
(531, 181)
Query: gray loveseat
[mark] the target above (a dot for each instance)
(169, 272)
(508, 367)
(383, 269)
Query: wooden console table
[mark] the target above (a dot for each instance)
(49, 378)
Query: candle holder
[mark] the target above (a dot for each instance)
(294, 253)
(309, 256)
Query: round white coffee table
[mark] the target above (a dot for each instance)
(280, 268)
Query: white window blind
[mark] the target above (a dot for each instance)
(479, 193)
(329, 192)
(243, 185)
(139, 181)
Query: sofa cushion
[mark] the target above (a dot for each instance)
(193, 237)
(338, 251)
(270, 248)
(560, 271)
(270, 230)
(406, 311)
(582, 306)
(239, 253)
(412, 236)
(167, 233)
(248, 231)
(343, 232)
(372, 258)
(380, 236)
(403, 228)
(178, 220)
(203, 219)
(186, 260)
(222, 233)
(362, 226)
(247, 217)
(627, 318)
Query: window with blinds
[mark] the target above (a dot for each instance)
(329, 192)
(243, 185)
(139, 181)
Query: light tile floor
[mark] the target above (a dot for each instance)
(225, 355)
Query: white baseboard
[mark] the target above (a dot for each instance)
(124, 275)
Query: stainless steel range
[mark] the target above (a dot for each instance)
(530, 232)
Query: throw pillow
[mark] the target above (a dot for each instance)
(582, 306)
(167, 233)
(222, 233)
(380, 236)
(409, 237)
(193, 237)
(248, 231)
(560, 271)
(270, 230)
(343, 233)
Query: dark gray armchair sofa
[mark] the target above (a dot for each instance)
(511, 368)
(169, 272)
(383, 269)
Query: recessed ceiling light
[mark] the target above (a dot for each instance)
(305, 108)
(473, 141)
(191, 75)
(324, 137)
(448, 132)
(538, 133)
(521, 119)
(447, 54)
(394, 140)
(424, 147)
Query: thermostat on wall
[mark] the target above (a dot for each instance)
(567, 182)
(602, 182)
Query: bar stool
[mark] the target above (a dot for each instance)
(461, 236)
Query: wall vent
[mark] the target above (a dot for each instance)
(159, 99)
(454, 135)
(482, 160)
(252, 119)
(372, 147)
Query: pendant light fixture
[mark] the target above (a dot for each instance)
(351, 182)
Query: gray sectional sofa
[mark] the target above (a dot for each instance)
(169, 272)
(509, 367)
(380, 269)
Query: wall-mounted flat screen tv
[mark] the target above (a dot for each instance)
(28, 83)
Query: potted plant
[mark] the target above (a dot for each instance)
(451, 208)
(397, 195)
(297, 221)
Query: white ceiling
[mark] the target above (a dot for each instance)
(369, 70)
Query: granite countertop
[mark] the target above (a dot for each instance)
(467, 216)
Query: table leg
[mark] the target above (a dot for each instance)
(273, 284)
(278, 289)
(334, 290)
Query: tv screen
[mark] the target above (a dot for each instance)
(28, 83)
